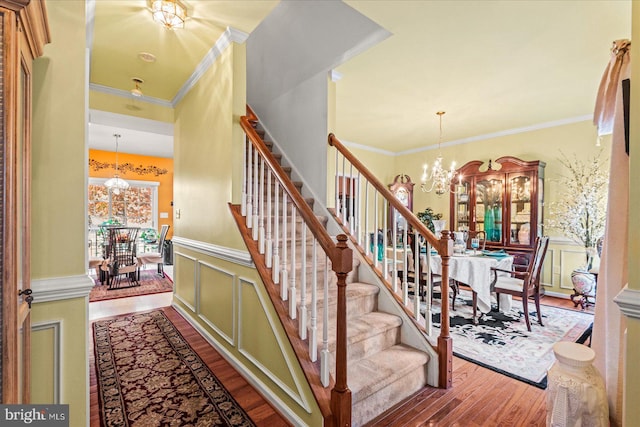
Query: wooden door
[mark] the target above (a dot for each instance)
(23, 31)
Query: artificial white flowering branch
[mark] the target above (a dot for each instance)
(581, 210)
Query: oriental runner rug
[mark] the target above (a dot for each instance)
(148, 375)
(502, 343)
(150, 283)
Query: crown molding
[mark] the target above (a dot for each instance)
(228, 254)
(335, 75)
(629, 302)
(127, 94)
(367, 148)
(230, 35)
(514, 131)
(61, 288)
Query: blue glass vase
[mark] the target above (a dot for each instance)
(497, 224)
(489, 223)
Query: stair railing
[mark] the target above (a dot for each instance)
(275, 214)
(364, 214)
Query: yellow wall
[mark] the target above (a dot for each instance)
(231, 304)
(228, 300)
(59, 193)
(165, 190)
(204, 155)
(71, 317)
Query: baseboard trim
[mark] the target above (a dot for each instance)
(61, 288)
(556, 294)
(246, 374)
(228, 254)
(629, 302)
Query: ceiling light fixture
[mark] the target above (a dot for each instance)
(147, 57)
(136, 91)
(440, 178)
(116, 183)
(170, 13)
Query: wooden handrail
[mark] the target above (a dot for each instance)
(341, 257)
(296, 198)
(442, 247)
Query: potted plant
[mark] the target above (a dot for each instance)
(580, 212)
(432, 220)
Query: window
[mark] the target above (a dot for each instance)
(135, 207)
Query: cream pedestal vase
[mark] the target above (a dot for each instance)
(576, 396)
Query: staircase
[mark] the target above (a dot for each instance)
(381, 369)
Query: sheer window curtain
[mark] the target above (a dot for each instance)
(609, 323)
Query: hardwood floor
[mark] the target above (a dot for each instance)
(258, 409)
(479, 396)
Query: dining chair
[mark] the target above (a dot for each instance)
(156, 257)
(122, 257)
(524, 284)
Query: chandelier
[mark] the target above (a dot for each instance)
(170, 13)
(116, 183)
(438, 179)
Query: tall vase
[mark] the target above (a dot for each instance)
(489, 223)
(497, 218)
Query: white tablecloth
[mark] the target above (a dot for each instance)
(475, 272)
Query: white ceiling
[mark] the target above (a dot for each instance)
(493, 66)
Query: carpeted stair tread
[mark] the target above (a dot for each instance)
(366, 326)
(373, 373)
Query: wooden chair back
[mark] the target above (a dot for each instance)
(122, 247)
(163, 236)
(532, 282)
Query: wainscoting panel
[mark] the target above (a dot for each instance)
(258, 342)
(570, 259)
(45, 342)
(216, 300)
(185, 279)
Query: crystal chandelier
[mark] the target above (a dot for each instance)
(116, 183)
(170, 13)
(438, 179)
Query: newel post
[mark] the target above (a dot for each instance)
(445, 344)
(342, 261)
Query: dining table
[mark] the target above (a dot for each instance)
(474, 271)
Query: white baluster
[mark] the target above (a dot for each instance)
(367, 237)
(302, 323)
(313, 333)
(284, 280)
(275, 272)
(394, 270)
(405, 279)
(351, 197)
(375, 228)
(385, 227)
(250, 187)
(416, 261)
(337, 184)
(261, 232)
(292, 280)
(358, 214)
(344, 193)
(243, 207)
(324, 356)
(269, 241)
(256, 200)
(428, 311)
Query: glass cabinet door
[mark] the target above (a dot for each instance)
(520, 219)
(488, 207)
(462, 206)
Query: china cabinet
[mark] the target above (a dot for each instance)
(505, 201)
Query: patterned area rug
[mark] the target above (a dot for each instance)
(502, 343)
(150, 283)
(149, 376)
